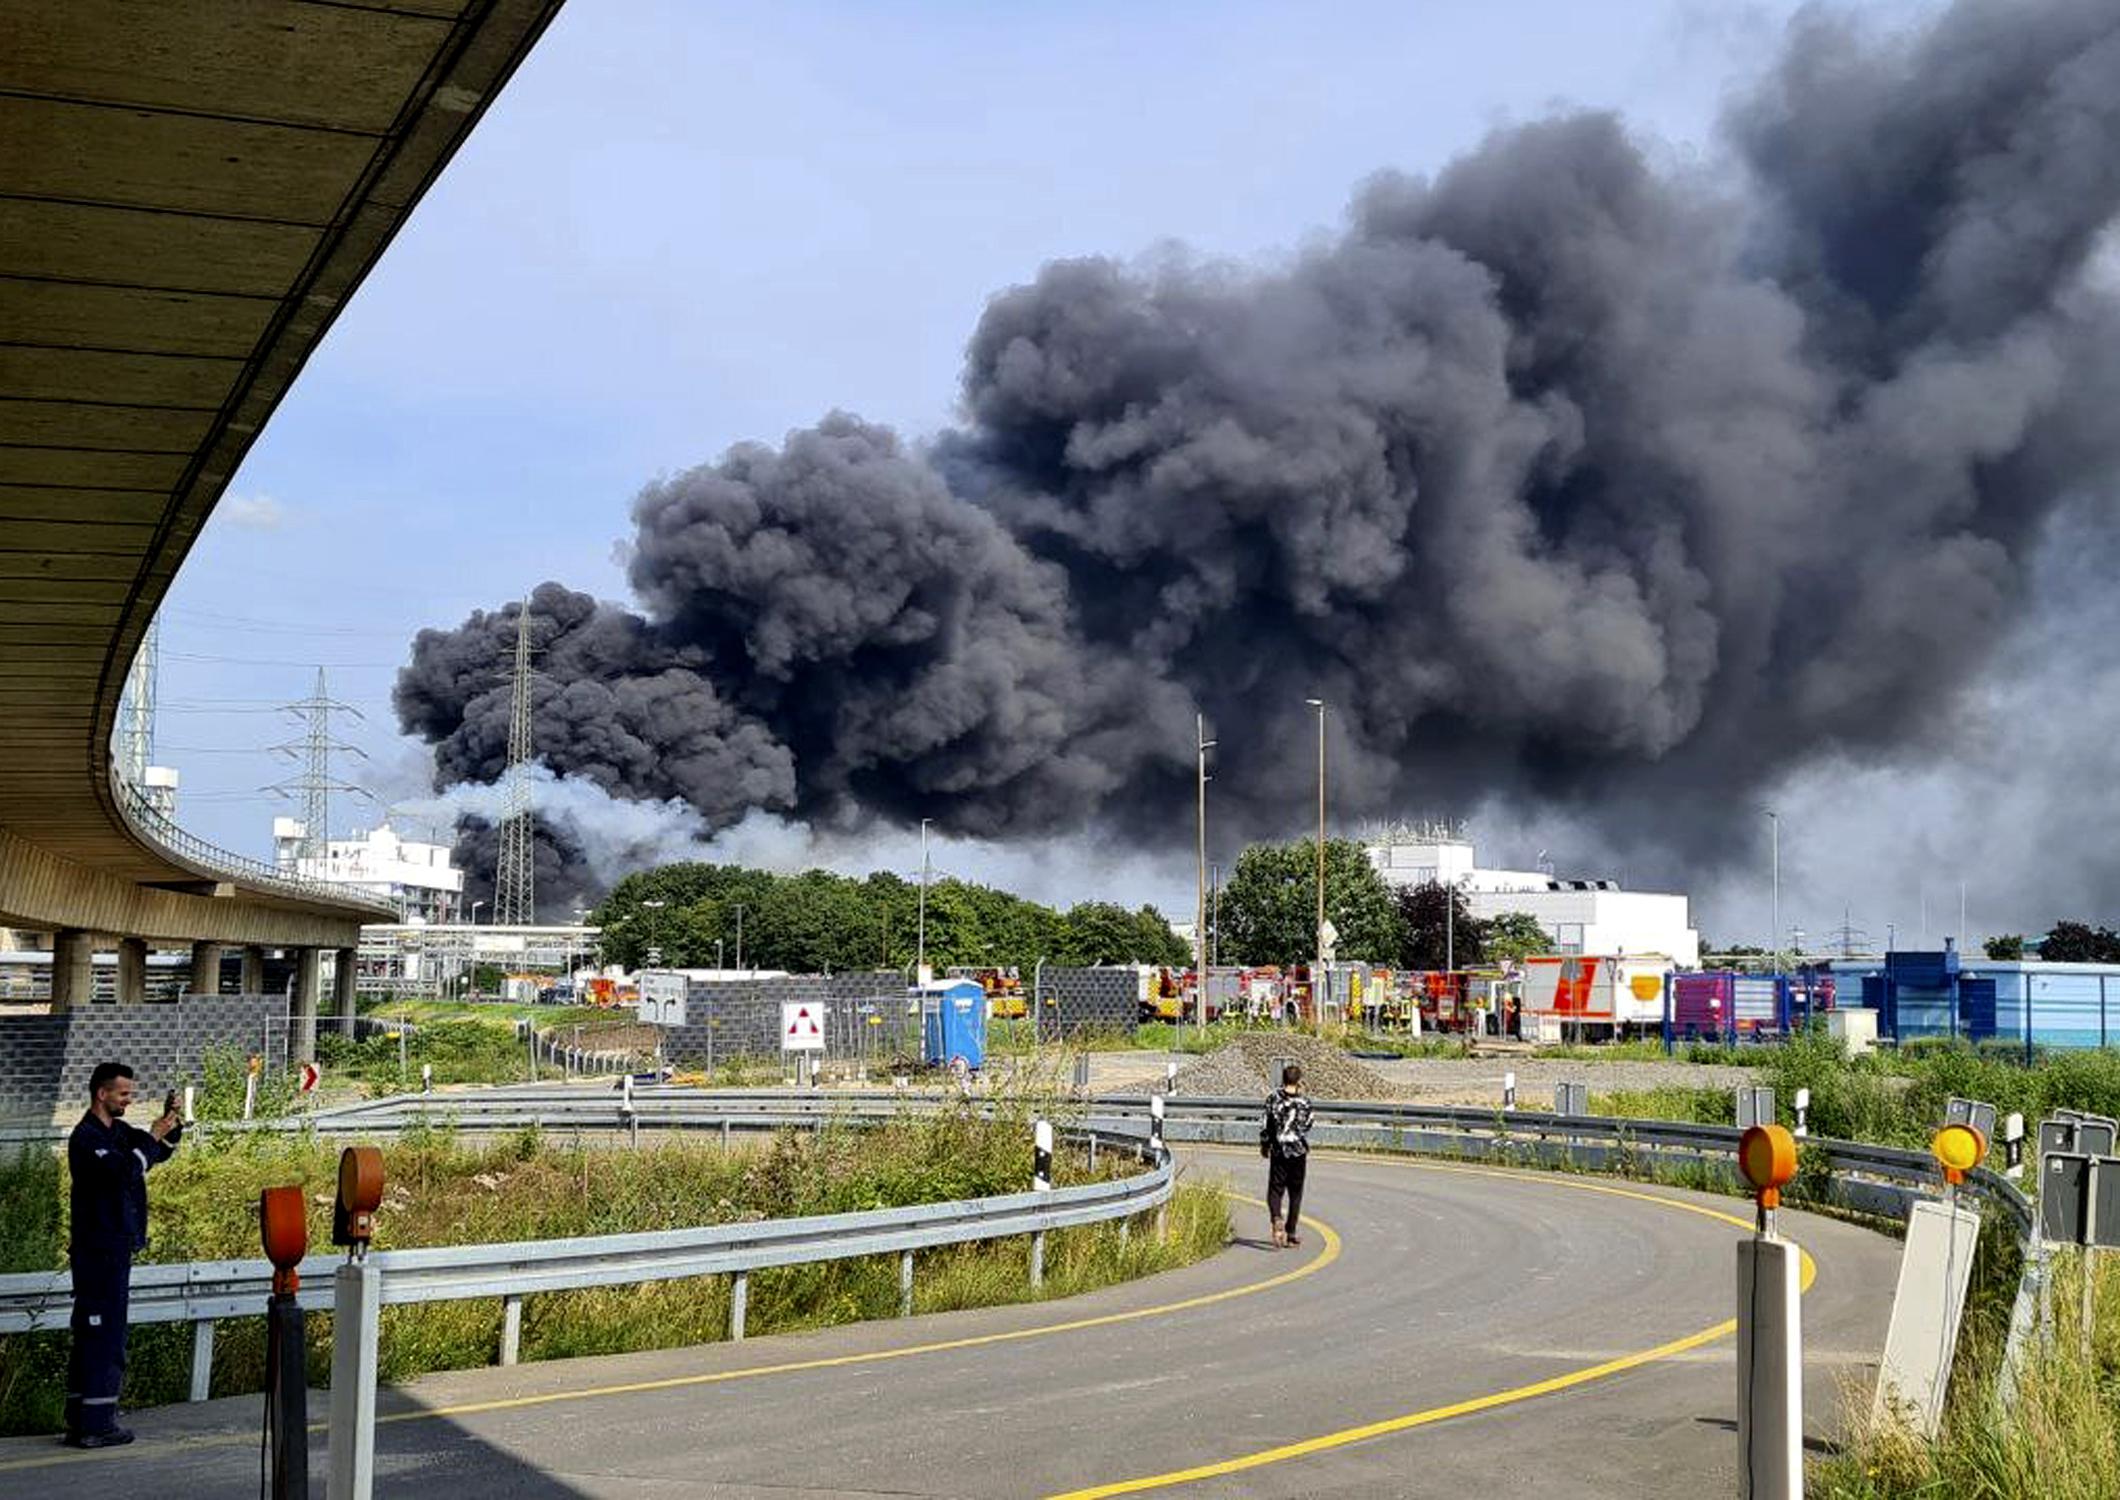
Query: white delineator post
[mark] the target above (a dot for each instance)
(426, 1078)
(357, 1304)
(1509, 1090)
(1803, 1112)
(1041, 1182)
(1769, 1331)
(1158, 1150)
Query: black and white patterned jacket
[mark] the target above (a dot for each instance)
(1288, 1123)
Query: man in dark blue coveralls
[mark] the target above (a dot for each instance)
(108, 1161)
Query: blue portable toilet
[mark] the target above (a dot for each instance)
(953, 1022)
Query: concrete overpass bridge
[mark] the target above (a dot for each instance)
(188, 195)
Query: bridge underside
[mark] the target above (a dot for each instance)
(188, 195)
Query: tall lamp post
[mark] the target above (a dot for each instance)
(920, 950)
(1319, 931)
(1200, 905)
(739, 934)
(1774, 823)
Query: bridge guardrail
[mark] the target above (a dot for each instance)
(153, 827)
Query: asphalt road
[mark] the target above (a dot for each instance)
(1442, 1332)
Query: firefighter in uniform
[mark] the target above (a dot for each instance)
(108, 1161)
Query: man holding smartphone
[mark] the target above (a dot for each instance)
(108, 1161)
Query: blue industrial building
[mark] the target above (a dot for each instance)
(1932, 994)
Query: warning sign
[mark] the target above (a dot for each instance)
(801, 1026)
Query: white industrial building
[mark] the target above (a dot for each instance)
(416, 878)
(1581, 916)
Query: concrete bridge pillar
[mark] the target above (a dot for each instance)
(205, 969)
(132, 971)
(305, 1005)
(73, 969)
(345, 987)
(253, 970)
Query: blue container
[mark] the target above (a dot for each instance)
(953, 1022)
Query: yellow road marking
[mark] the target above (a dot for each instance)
(1326, 1255)
(1435, 1414)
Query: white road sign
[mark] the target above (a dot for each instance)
(801, 1026)
(662, 998)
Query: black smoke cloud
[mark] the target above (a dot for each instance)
(1562, 478)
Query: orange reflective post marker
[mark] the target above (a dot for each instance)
(1769, 1329)
(283, 1224)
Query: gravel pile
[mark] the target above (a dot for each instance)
(1249, 1068)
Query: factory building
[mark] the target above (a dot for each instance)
(1946, 994)
(416, 878)
(1581, 916)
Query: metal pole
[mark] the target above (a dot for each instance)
(1200, 906)
(739, 935)
(1774, 821)
(1319, 932)
(920, 960)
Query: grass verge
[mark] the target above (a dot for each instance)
(444, 1190)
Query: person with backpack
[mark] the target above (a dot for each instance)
(1284, 1140)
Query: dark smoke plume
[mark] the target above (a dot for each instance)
(1559, 477)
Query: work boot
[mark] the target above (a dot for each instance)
(113, 1437)
(1280, 1240)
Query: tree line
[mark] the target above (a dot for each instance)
(692, 916)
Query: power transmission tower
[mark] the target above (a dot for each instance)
(136, 724)
(313, 752)
(515, 878)
(1852, 941)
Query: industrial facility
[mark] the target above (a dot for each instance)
(1580, 916)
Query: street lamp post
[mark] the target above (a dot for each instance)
(1319, 705)
(920, 950)
(739, 935)
(1200, 905)
(1774, 822)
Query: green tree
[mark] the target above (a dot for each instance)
(1514, 936)
(1439, 928)
(2009, 947)
(2080, 943)
(1269, 906)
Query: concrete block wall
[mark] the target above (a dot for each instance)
(741, 1017)
(1107, 999)
(866, 1013)
(45, 1060)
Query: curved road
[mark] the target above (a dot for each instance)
(1444, 1331)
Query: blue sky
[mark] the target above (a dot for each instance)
(688, 224)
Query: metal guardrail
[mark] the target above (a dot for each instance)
(201, 1292)
(151, 826)
(1881, 1180)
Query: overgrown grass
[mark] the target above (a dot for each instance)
(1892, 1098)
(443, 1190)
(1640, 1050)
(2058, 1440)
